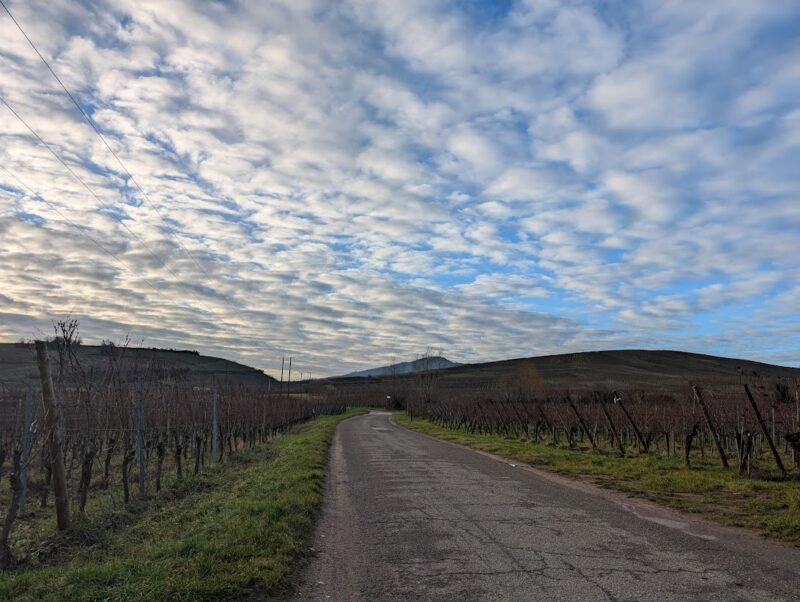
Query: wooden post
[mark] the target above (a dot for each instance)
(27, 441)
(583, 423)
(215, 428)
(6, 557)
(772, 421)
(280, 385)
(698, 395)
(744, 443)
(796, 452)
(797, 407)
(546, 421)
(289, 380)
(611, 424)
(127, 458)
(687, 443)
(52, 422)
(140, 435)
(267, 431)
(643, 445)
(765, 430)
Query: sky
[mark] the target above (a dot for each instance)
(356, 182)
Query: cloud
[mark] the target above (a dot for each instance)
(644, 193)
(354, 182)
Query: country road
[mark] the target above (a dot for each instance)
(408, 517)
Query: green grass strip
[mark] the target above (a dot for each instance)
(769, 506)
(239, 528)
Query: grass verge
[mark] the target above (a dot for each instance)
(769, 506)
(238, 528)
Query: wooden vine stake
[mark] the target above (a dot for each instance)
(215, 448)
(614, 432)
(582, 421)
(643, 445)
(27, 443)
(52, 423)
(140, 426)
(765, 430)
(698, 395)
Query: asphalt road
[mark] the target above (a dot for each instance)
(408, 517)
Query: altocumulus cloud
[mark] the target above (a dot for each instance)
(354, 181)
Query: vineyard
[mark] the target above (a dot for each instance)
(746, 426)
(82, 441)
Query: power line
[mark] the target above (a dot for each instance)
(85, 229)
(86, 186)
(116, 258)
(105, 142)
(99, 245)
(72, 172)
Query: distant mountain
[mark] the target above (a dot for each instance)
(421, 365)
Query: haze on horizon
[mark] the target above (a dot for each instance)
(352, 183)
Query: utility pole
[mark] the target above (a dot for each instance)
(52, 422)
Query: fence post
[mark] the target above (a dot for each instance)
(52, 421)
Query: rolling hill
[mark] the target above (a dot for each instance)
(630, 368)
(18, 363)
